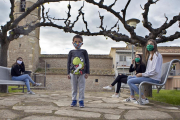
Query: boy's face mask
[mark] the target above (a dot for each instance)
(77, 45)
(19, 62)
(150, 47)
(137, 59)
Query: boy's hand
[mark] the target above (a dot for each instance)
(69, 77)
(86, 76)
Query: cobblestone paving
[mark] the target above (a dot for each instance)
(55, 105)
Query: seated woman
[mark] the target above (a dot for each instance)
(139, 67)
(152, 73)
(16, 70)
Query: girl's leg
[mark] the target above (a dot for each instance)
(27, 84)
(138, 80)
(131, 90)
(118, 78)
(22, 78)
(30, 80)
(118, 87)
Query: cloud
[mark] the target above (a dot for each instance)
(55, 41)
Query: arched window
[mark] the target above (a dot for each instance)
(22, 5)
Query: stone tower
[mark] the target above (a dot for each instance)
(26, 47)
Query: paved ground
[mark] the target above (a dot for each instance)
(55, 105)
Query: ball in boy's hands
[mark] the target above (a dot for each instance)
(69, 77)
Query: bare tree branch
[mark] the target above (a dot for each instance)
(101, 18)
(170, 38)
(124, 11)
(113, 4)
(145, 16)
(167, 25)
(101, 2)
(141, 7)
(68, 14)
(114, 25)
(116, 14)
(44, 20)
(166, 18)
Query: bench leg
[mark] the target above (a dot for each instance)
(7, 89)
(23, 88)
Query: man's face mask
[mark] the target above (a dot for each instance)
(77, 45)
(137, 59)
(150, 47)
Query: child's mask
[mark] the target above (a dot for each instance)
(137, 59)
(150, 47)
(77, 46)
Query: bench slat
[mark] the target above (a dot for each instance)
(10, 82)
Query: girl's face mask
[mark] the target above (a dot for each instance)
(77, 45)
(137, 59)
(19, 62)
(150, 47)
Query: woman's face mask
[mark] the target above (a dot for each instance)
(137, 59)
(19, 62)
(150, 47)
(77, 45)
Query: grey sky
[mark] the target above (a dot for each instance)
(55, 41)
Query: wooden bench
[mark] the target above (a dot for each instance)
(5, 78)
(164, 75)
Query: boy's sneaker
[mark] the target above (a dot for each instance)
(81, 104)
(74, 103)
(130, 100)
(143, 101)
(115, 95)
(30, 92)
(107, 88)
(38, 84)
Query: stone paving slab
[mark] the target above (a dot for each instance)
(63, 103)
(47, 118)
(146, 114)
(38, 111)
(104, 105)
(7, 114)
(8, 103)
(78, 113)
(55, 105)
(99, 110)
(112, 117)
(35, 108)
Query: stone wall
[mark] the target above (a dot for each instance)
(61, 82)
(57, 64)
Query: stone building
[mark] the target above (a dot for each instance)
(26, 47)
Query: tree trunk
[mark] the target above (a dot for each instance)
(3, 62)
(147, 88)
(3, 54)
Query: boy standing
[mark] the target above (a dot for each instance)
(78, 70)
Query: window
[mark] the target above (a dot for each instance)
(22, 5)
(122, 58)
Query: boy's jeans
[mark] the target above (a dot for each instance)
(132, 80)
(78, 80)
(26, 78)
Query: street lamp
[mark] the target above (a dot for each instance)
(133, 22)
